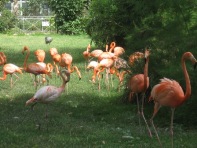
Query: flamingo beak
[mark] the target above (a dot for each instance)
(195, 65)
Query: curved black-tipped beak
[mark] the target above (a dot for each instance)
(195, 65)
(79, 78)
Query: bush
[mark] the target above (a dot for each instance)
(7, 21)
(75, 27)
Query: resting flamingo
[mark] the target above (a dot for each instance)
(117, 50)
(135, 56)
(139, 84)
(48, 94)
(10, 69)
(169, 93)
(34, 68)
(3, 58)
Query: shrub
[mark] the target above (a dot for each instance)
(7, 21)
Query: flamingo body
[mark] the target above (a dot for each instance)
(49, 93)
(136, 83)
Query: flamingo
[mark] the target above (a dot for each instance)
(105, 64)
(10, 69)
(117, 50)
(56, 58)
(66, 61)
(139, 84)
(135, 56)
(40, 55)
(34, 68)
(86, 54)
(93, 65)
(106, 55)
(169, 93)
(49, 94)
(3, 58)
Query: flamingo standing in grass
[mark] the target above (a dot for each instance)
(139, 84)
(34, 68)
(48, 94)
(10, 69)
(169, 93)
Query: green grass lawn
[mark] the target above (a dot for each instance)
(81, 117)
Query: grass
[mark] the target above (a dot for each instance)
(82, 117)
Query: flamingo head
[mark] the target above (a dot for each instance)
(65, 74)
(190, 56)
(147, 53)
(24, 49)
(30, 101)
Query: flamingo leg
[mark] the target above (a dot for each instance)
(16, 77)
(138, 108)
(156, 109)
(142, 112)
(171, 126)
(11, 84)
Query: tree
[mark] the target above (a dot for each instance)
(67, 12)
(2, 4)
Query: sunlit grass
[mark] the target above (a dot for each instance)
(81, 117)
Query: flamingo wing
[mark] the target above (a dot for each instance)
(168, 93)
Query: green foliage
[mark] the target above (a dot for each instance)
(67, 14)
(2, 4)
(7, 21)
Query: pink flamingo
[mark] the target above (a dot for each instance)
(10, 69)
(169, 93)
(139, 84)
(48, 94)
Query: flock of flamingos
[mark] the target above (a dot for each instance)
(167, 93)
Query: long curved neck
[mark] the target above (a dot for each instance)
(4, 76)
(25, 62)
(146, 73)
(187, 80)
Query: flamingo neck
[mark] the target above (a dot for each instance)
(187, 80)
(146, 73)
(4, 76)
(25, 62)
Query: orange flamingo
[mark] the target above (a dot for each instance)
(56, 58)
(10, 69)
(48, 94)
(135, 56)
(34, 68)
(105, 64)
(117, 50)
(3, 58)
(106, 54)
(93, 65)
(40, 55)
(66, 61)
(139, 84)
(169, 93)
